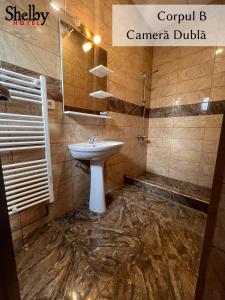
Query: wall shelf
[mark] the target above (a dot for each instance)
(101, 71)
(100, 95)
(86, 114)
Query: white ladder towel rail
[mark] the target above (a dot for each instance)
(30, 182)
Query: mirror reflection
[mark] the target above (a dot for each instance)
(84, 67)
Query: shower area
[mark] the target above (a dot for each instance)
(181, 124)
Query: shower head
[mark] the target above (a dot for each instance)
(145, 75)
(148, 76)
(4, 93)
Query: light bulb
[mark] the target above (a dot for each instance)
(54, 6)
(219, 50)
(97, 39)
(87, 46)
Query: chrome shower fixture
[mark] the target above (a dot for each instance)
(142, 137)
(145, 75)
(4, 93)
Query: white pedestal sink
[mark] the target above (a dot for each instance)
(97, 154)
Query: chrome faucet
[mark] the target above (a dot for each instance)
(92, 139)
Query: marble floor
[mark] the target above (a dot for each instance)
(143, 247)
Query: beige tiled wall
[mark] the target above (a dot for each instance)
(37, 49)
(185, 147)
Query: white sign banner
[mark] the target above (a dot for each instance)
(168, 25)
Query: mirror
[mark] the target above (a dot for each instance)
(84, 68)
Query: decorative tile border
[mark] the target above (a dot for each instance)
(196, 109)
(115, 105)
(124, 107)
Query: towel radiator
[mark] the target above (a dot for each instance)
(27, 183)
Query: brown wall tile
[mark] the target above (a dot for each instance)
(192, 97)
(186, 155)
(188, 133)
(197, 84)
(189, 122)
(212, 134)
(186, 144)
(219, 65)
(196, 71)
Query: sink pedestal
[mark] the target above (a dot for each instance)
(97, 190)
(97, 153)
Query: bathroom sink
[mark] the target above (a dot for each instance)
(96, 152)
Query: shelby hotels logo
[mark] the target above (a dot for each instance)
(31, 17)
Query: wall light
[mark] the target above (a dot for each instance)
(97, 39)
(219, 50)
(55, 6)
(87, 46)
